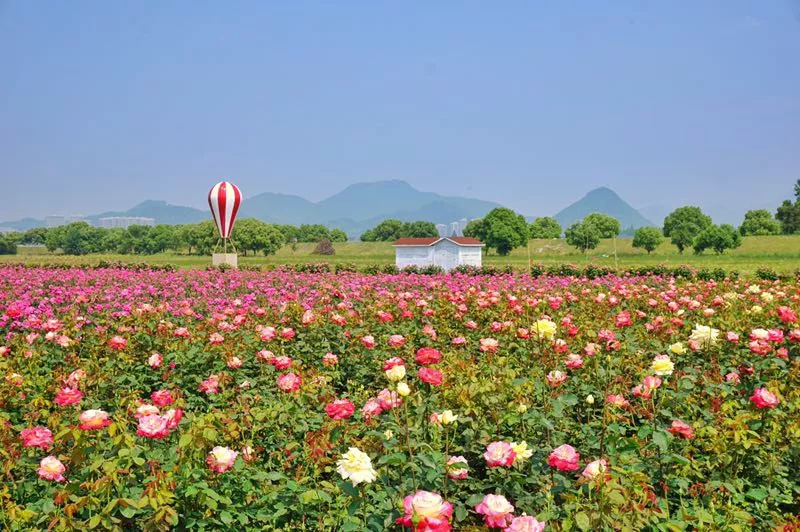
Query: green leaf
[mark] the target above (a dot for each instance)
(393, 459)
(660, 439)
(582, 520)
(757, 494)
(226, 517)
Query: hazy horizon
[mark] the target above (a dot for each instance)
(106, 105)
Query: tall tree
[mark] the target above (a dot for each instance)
(759, 222)
(583, 236)
(545, 227)
(648, 238)
(717, 237)
(606, 225)
(684, 224)
(505, 230)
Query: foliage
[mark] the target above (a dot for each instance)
(545, 227)
(607, 226)
(337, 235)
(583, 236)
(688, 442)
(255, 235)
(788, 215)
(501, 229)
(648, 238)
(8, 245)
(759, 223)
(719, 238)
(684, 224)
(390, 230)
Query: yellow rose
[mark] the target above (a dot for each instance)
(447, 417)
(677, 348)
(403, 389)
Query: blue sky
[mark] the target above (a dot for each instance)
(105, 104)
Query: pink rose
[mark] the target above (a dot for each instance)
(162, 398)
(499, 454)
(51, 468)
(368, 341)
(496, 510)
(68, 396)
(427, 355)
(289, 382)
(426, 512)
(457, 468)
(430, 376)
(564, 458)
(329, 359)
(152, 426)
(93, 420)
(37, 437)
(340, 409)
(680, 428)
(221, 459)
(117, 343)
(155, 360)
(525, 523)
(763, 398)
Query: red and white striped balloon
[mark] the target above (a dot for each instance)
(224, 199)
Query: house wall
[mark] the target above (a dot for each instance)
(413, 256)
(445, 254)
(471, 256)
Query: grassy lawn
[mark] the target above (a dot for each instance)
(781, 253)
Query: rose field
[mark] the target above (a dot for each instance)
(279, 400)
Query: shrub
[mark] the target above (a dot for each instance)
(324, 247)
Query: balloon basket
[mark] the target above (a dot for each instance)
(230, 259)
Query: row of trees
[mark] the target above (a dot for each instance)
(250, 236)
(686, 227)
(390, 230)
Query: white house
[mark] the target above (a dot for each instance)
(446, 252)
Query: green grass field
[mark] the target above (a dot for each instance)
(781, 253)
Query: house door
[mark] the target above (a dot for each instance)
(446, 256)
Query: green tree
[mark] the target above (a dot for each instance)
(684, 224)
(476, 229)
(368, 236)
(648, 238)
(759, 222)
(313, 233)
(789, 213)
(606, 225)
(545, 227)
(37, 235)
(337, 235)
(418, 229)
(79, 239)
(717, 237)
(388, 230)
(291, 233)
(583, 236)
(505, 230)
(8, 244)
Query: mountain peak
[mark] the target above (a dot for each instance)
(605, 201)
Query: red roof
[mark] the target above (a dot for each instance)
(429, 241)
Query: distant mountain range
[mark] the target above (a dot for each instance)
(362, 206)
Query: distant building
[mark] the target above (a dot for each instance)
(447, 252)
(6, 230)
(56, 219)
(124, 221)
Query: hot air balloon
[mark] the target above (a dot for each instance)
(224, 199)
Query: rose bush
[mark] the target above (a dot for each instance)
(287, 400)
